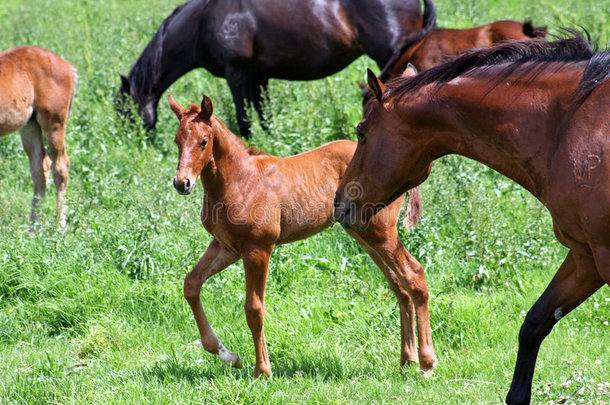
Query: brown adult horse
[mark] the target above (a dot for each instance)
(250, 41)
(37, 91)
(440, 45)
(537, 112)
(253, 202)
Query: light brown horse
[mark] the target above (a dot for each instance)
(537, 112)
(253, 202)
(37, 88)
(442, 45)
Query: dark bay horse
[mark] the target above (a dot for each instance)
(254, 201)
(247, 42)
(537, 112)
(440, 45)
(36, 91)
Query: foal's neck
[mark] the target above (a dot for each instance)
(229, 163)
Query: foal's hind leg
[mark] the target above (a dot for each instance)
(55, 134)
(40, 164)
(406, 278)
(215, 259)
(575, 281)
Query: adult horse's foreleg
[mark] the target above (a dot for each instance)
(406, 278)
(256, 263)
(238, 80)
(258, 88)
(215, 259)
(40, 164)
(575, 281)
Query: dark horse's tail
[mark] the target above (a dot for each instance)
(428, 25)
(413, 210)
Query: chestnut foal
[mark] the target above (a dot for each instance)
(253, 202)
(37, 91)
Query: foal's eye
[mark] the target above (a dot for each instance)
(203, 143)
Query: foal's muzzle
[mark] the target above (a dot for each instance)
(185, 186)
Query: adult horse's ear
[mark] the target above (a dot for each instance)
(409, 71)
(176, 108)
(361, 85)
(207, 109)
(375, 84)
(125, 84)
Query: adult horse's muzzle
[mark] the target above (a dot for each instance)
(345, 213)
(185, 186)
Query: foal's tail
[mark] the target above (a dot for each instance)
(413, 210)
(74, 83)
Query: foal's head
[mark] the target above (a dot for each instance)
(195, 139)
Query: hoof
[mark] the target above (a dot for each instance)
(238, 363)
(408, 362)
(262, 372)
(229, 358)
(427, 371)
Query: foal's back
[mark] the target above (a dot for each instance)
(32, 79)
(301, 188)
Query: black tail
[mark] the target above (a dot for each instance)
(428, 25)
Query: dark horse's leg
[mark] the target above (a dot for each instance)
(244, 86)
(575, 281)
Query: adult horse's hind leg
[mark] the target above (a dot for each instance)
(40, 164)
(575, 281)
(406, 278)
(215, 259)
(256, 264)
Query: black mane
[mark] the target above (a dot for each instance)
(147, 69)
(575, 48)
(428, 26)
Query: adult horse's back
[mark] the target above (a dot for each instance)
(250, 41)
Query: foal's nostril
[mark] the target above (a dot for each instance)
(174, 182)
(187, 183)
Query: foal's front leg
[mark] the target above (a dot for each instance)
(256, 264)
(215, 259)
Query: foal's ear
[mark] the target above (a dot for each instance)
(409, 71)
(207, 109)
(375, 84)
(176, 108)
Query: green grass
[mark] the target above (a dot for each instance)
(95, 314)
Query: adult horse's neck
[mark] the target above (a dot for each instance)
(168, 55)
(510, 125)
(229, 164)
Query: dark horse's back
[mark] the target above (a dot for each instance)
(300, 40)
(250, 41)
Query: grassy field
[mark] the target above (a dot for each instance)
(95, 314)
